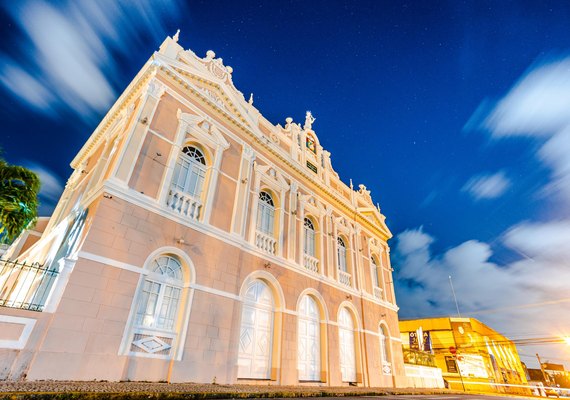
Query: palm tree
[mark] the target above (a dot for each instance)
(19, 189)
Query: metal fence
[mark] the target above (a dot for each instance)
(25, 286)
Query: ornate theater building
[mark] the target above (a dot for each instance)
(196, 241)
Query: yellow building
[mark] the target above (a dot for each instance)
(471, 355)
(198, 241)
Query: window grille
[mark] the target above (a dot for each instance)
(25, 286)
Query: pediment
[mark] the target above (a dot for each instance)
(377, 219)
(211, 81)
(311, 203)
(272, 176)
(203, 129)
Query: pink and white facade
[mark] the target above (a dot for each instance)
(196, 241)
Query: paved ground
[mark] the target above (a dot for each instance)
(204, 391)
(125, 387)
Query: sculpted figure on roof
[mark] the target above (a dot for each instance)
(309, 120)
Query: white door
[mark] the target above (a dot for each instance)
(308, 346)
(256, 332)
(346, 340)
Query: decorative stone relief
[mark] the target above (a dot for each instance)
(248, 152)
(212, 96)
(151, 344)
(156, 88)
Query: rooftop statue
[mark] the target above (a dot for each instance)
(309, 119)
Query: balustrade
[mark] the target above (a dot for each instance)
(265, 242)
(184, 203)
(344, 278)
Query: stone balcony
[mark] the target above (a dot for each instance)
(184, 203)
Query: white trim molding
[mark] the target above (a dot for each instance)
(19, 344)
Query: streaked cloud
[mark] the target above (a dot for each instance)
(487, 186)
(537, 105)
(70, 50)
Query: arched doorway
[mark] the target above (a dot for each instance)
(256, 332)
(346, 343)
(308, 340)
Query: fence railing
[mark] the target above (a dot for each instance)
(418, 358)
(25, 286)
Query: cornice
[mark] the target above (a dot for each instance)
(348, 208)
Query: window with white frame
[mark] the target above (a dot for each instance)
(309, 243)
(190, 171)
(265, 214)
(343, 274)
(160, 295)
(157, 309)
(341, 253)
(376, 278)
(188, 182)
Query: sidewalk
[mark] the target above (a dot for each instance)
(174, 391)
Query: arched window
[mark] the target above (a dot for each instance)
(376, 278)
(160, 296)
(265, 213)
(190, 171)
(308, 346)
(256, 332)
(187, 182)
(157, 311)
(309, 245)
(385, 351)
(341, 253)
(346, 343)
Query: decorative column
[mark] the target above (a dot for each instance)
(137, 135)
(292, 248)
(242, 196)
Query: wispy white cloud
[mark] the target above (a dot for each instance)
(487, 186)
(50, 190)
(423, 290)
(69, 50)
(537, 105)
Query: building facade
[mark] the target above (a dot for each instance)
(471, 355)
(196, 241)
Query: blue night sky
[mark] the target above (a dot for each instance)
(456, 115)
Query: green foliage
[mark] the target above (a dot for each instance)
(19, 188)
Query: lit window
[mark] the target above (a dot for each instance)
(160, 295)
